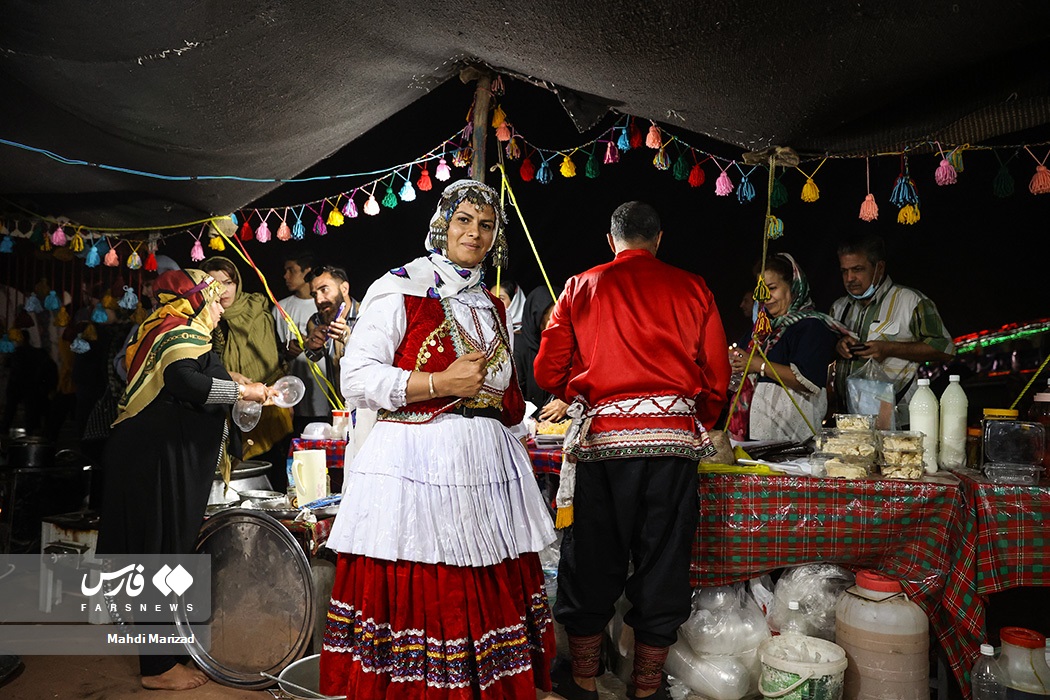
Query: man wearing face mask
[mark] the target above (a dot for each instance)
(898, 327)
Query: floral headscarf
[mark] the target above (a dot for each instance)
(436, 276)
(802, 306)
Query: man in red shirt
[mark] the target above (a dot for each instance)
(637, 346)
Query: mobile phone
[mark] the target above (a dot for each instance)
(857, 347)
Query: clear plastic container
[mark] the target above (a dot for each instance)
(1023, 662)
(886, 638)
(841, 466)
(1014, 442)
(986, 678)
(901, 440)
(901, 458)
(911, 472)
(847, 443)
(852, 422)
(1023, 474)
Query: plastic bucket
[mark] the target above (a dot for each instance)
(797, 667)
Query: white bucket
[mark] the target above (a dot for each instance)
(797, 667)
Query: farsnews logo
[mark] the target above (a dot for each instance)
(166, 580)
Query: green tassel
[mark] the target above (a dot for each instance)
(682, 166)
(389, 199)
(1003, 185)
(779, 195)
(594, 167)
(955, 158)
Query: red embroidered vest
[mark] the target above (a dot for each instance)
(428, 347)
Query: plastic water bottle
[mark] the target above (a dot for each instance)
(925, 418)
(795, 621)
(953, 424)
(986, 678)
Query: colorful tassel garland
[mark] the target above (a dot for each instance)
(408, 192)
(350, 208)
(298, 229)
(513, 150)
(909, 214)
(59, 236)
(262, 233)
(111, 259)
(945, 173)
(77, 243)
(216, 243)
(779, 195)
(723, 185)
(697, 176)
(527, 170)
(197, 251)
(284, 232)
(543, 175)
(869, 210)
(1003, 184)
(623, 143)
(612, 153)
(594, 167)
(7, 245)
(129, 301)
(1040, 183)
(335, 217)
(503, 132)
(904, 191)
(462, 157)
(661, 161)
(99, 315)
(134, 260)
(62, 318)
(319, 226)
(441, 172)
(372, 206)
(634, 134)
(246, 232)
(681, 168)
(568, 168)
(92, 259)
(423, 183)
(745, 191)
(774, 230)
(51, 302)
(810, 191)
(151, 263)
(654, 139)
(389, 199)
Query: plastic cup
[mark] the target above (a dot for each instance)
(290, 391)
(246, 414)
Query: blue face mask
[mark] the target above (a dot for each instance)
(867, 293)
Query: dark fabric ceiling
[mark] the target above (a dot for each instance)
(268, 89)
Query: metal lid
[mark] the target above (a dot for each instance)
(262, 599)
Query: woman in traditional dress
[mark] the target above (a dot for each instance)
(169, 437)
(799, 349)
(439, 590)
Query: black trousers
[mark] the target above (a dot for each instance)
(643, 511)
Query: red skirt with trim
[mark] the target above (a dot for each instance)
(410, 631)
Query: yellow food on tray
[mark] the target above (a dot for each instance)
(548, 428)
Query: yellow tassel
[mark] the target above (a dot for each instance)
(909, 214)
(15, 335)
(215, 243)
(90, 333)
(139, 315)
(762, 326)
(62, 318)
(810, 192)
(335, 217)
(761, 291)
(564, 518)
(498, 117)
(77, 244)
(108, 302)
(568, 168)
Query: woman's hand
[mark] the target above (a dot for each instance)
(258, 392)
(463, 378)
(737, 360)
(554, 410)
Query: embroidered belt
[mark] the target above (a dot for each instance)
(484, 412)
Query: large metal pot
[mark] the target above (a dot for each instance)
(30, 452)
(249, 474)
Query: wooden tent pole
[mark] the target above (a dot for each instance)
(482, 97)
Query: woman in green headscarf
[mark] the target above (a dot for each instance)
(246, 339)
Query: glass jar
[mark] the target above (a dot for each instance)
(1040, 413)
(973, 448)
(1023, 661)
(991, 414)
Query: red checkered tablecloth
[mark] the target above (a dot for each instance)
(334, 451)
(1004, 545)
(545, 461)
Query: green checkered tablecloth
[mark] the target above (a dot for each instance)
(1004, 545)
(751, 525)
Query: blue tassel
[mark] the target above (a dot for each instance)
(298, 230)
(904, 191)
(543, 175)
(79, 345)
(129, 301)
(408, 192)
(6, 346)
(622, 142)
(92, 259)
(7, 245)
(745, 191)
(233, 218)
(99, 314)
(33, 304)
(51, 302)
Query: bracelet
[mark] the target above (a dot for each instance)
(762, 370)
(430, 381)
(240, 391)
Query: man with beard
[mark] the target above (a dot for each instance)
(329, 328)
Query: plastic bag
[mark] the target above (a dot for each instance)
(817, 588)
(870, 392)
(714, 677)
(725, 620)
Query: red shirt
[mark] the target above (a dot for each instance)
(636, 326)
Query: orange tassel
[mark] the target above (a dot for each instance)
(869, 210)
(1040, 183)
(654, 139)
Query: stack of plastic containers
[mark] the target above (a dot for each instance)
(901, 454)
(849, 450)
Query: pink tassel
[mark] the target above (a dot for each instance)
(59, 236)
(1040, 183)
(350, 209)
(441, 172)
(654, 138)
(111, 259)
(697, 176)
(723, 185)
(945, 173)
(869, 210)
(197, 251)
(284, 233)
(612, 153)
(319, 226)
(372, 206)
(262, 234)
(503, 132)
